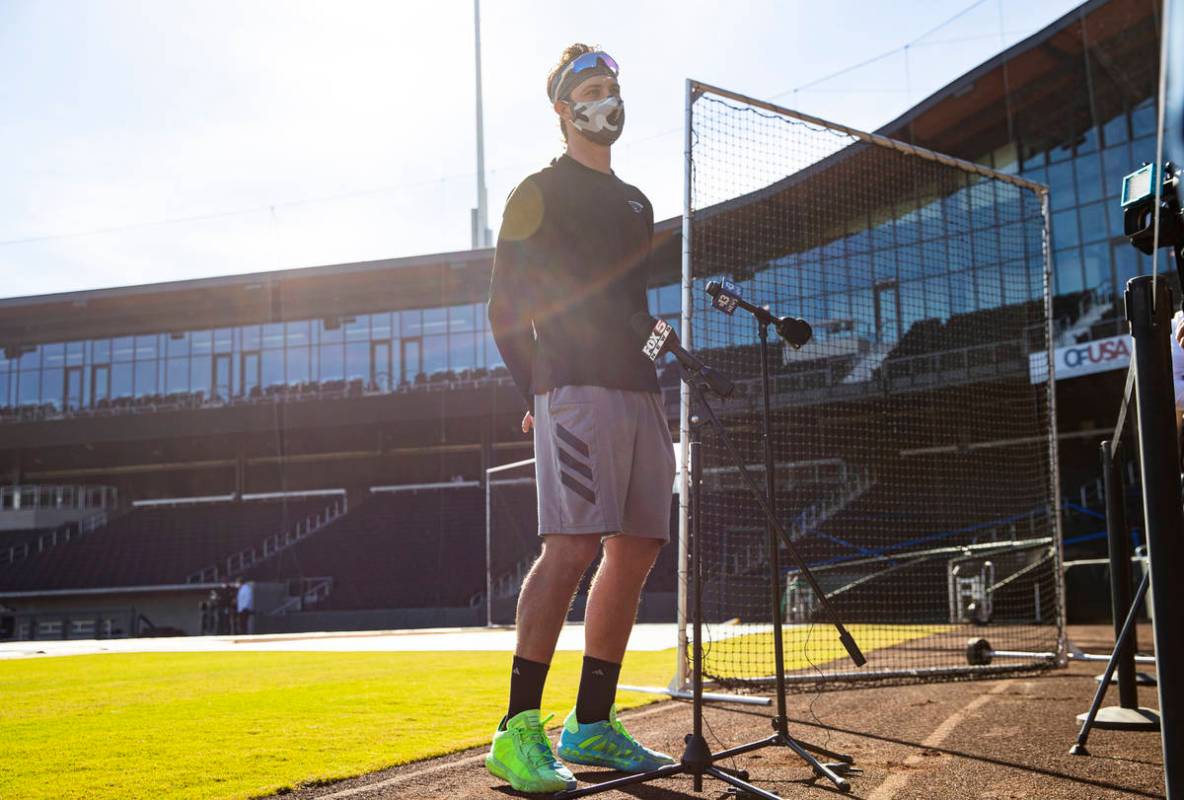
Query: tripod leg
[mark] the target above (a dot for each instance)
(1078, 749)
(820, 769)
(822, 751)
(743, 786)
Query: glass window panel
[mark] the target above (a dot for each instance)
(1128, 263)
(177, 376)
(273, 335)
(29, 387)
(1061, 151)
(1060, 183)
(296, 334)
(357, 361)
(906, 228)
(1089, 179)
(836, 276)
(51, 386)
(908, 261)
(435, 353)
(251, 337)
(987, 283)
(201, 342)
(123, 349)
(863, 309)
(961, 293)
(670, 298)
(74, 352)
(145, 349)
(5, 388)
(912, 303)
(178, 344)
(493, 357)
(937, 297)
(224, 340)
(1088, 142)
(1142, 150)
(839, 306)
(358, 330)
(1015, 281)
(199, 374)
(1064, 229)
(1067, 268)
(986, 247)
(460, 318)
(1096, 260)
(651, 300)
(1116, 164)
(330, 330)
(411, 321)
(101, 351)
(121, 380)
(1115, 132)
(1143, 119)
(53, 355)
(145, 377)
(462, 351)
(885, 265)
(1093, 222)
(380, 326)
(271, 368)
(859, 270)
(297, 364)
(332, 362)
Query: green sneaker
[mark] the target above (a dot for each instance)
(607, 744)
(521, 754)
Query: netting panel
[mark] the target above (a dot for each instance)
(908, 434)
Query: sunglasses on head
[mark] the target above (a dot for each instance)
(582, 63)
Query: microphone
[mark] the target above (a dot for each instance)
(660, 338)
(726, 297)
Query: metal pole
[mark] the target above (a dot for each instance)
(684, 406)
(782, 721)
(1150, 325)
(1120, 570)
(482, 236)
(488, 556)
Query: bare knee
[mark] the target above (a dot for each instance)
(634, 553)
(569, 555)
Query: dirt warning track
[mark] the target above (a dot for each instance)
(1000, 739)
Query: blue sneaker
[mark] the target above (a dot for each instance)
(607, 744)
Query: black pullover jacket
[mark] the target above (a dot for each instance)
(572, 258)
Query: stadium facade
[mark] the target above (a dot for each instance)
(371, 396)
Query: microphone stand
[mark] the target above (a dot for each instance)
(697, 758)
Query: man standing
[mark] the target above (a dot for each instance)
(569, 272)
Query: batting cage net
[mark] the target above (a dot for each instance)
(913, 439)
(511, 536)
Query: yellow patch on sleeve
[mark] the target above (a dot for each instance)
(524, 212)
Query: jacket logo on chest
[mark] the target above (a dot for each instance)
(636, 206)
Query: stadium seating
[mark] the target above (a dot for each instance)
(406, 549)
(156, 545)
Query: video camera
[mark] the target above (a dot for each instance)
(1138, 211)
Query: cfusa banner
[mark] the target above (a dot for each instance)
(1082, 359)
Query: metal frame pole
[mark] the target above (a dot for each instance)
(679, 681)
(1150, 324)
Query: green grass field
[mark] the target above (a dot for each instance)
(237, 725)
(240, 725)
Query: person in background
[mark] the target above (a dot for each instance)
(246, 606)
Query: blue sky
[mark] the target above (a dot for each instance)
(154, 141)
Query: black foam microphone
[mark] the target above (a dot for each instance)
(726, 297)
(660, 338)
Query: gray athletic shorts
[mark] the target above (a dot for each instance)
(604, 462)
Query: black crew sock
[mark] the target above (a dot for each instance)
(526, 686)
(598, 689)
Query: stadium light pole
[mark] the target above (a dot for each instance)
(479, 221)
